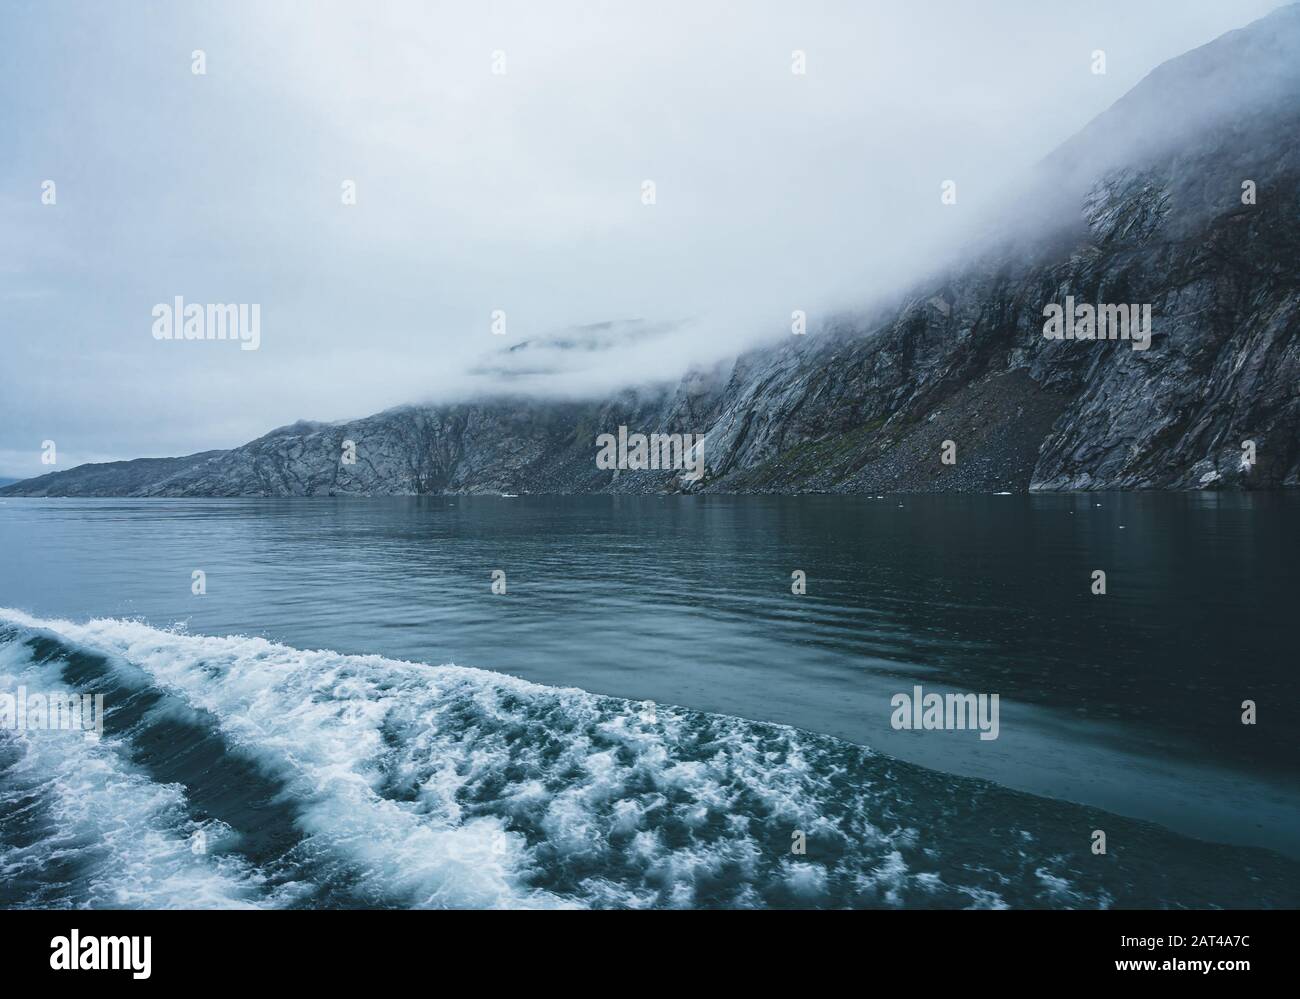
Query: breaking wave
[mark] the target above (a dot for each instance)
(312, 778)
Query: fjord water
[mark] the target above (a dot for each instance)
(366, 772)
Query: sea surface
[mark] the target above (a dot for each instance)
(648, 716)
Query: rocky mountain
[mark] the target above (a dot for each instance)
(1184, 196)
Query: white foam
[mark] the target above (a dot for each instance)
(128, 838)
(447, 786)
(313, 720)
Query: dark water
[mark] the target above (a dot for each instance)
(338, 777)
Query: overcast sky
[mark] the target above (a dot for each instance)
(479, 191)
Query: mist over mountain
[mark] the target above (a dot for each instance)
(1146, 205)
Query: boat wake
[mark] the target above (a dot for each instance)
(233, 771)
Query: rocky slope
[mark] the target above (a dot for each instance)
(1144, 206)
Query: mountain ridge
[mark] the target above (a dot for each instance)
(1144, 204)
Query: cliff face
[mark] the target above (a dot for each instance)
(966, 360)
(1145, 206)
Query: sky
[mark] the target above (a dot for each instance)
(499, 154)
